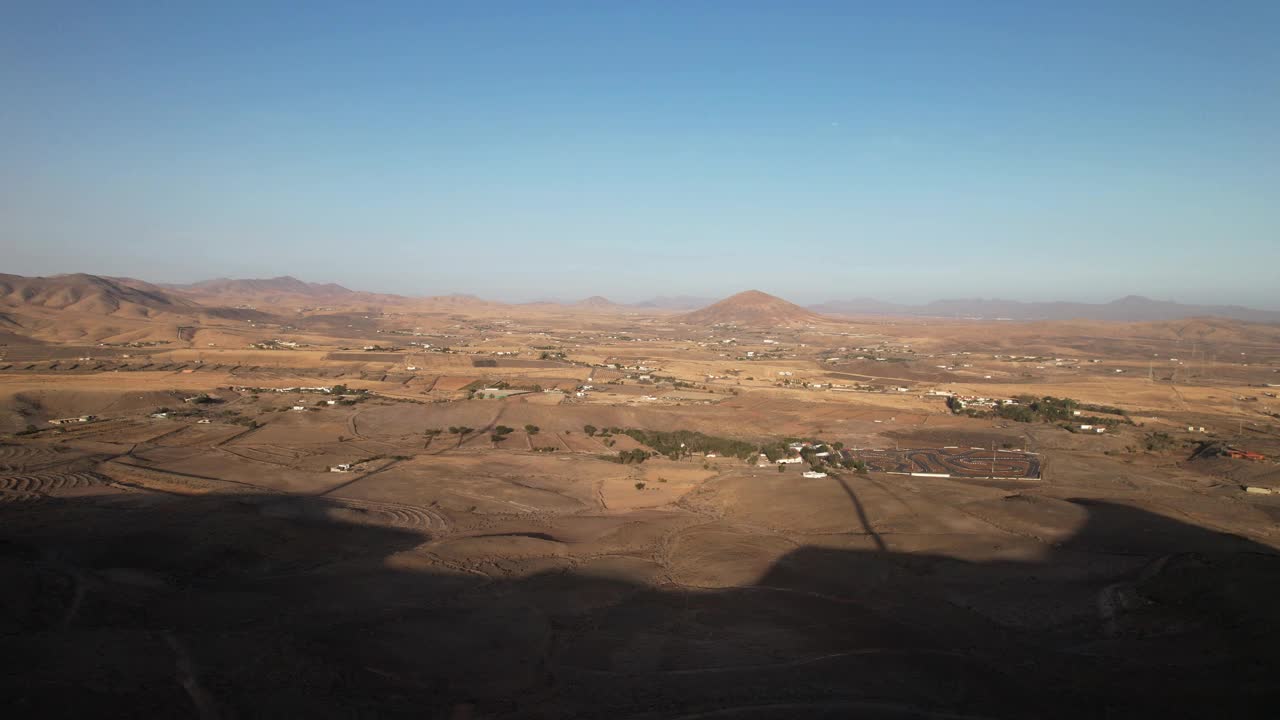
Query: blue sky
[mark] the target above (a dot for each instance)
(905, 151)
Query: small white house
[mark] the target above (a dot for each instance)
(69, 421)
(814, 474)
(790, 460)
(299, 407)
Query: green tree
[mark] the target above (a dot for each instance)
(590, 430)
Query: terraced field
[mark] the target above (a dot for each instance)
(44, 483)
(15, 497)
(18, 458)
(358, 512)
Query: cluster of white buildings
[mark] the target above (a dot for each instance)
(973, 400)
(72, 420)
(247, 388)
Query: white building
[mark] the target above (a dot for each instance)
(814, 474)
(71, 420)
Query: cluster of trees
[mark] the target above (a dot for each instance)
(1105, 409)
(500, 433)
(1060, 410)
(1031, 409)
(637, 456)
(1158, 441)
(628, 457)
(683, 443)
(339, 390)
(592, 430)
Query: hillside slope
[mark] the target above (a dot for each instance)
(91, 294)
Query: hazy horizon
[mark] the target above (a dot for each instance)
(629, 299)
(817, 151)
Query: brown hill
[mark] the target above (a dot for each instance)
(91, 294)
(752, 308)
(597, 302)
(92, 308)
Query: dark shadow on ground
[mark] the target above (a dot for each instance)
(216, 607)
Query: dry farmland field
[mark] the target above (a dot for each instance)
(312, 530)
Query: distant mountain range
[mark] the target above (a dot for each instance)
(675, 302)
(1133, 308)
(283, 285)
(128, 297)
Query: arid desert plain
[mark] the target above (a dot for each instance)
(274, 499)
